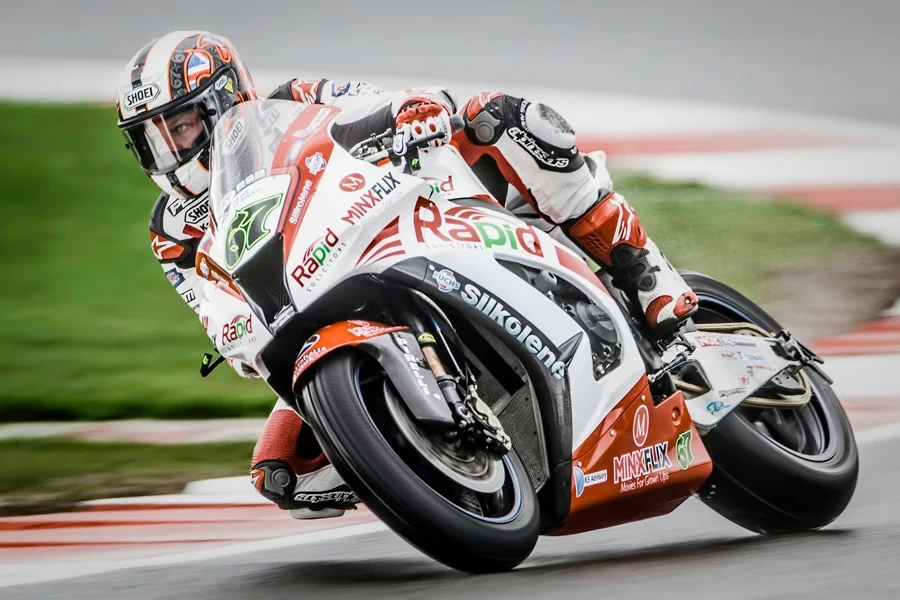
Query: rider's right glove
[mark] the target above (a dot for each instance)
(422, 115)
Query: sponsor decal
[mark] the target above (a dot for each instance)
(715, 406)
(318, 258)
(731, 392)
(708, 340)
(365, 329)
(316, 163)
(745, 380)
(188, 296)
(248, 228)
(161, 248)
(283, 316)
(220, 83)
(751, 356)
(368, 200)
(517, 327)
(524, 139)
(176, 205)
(640, 464)
(482, 233)
(234, 136)
(339, 89)
(414, 365)
(352, 182)
(301, 202)
(318, 120)
(446, 280)
(204, 267)
(239, 328)
(640, 429)
(583, 480)
(175, 277)
(230, 196)
(198, 213)
(142, 95)
(683, 453)
(312, 341)
(439, 185)
(746, 342)
(729, 355)
(307, 353)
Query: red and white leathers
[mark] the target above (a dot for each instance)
(519, 151)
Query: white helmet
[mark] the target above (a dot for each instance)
(170, 96)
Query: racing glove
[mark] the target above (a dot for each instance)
(421, 116)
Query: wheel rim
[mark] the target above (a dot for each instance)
(465, 480)
(804, 432)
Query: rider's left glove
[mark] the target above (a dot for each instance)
(421, 116)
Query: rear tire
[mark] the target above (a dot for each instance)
(354, 431)
(775, 471)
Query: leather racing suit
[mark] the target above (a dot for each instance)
(525, 155)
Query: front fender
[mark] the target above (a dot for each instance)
(397, 351)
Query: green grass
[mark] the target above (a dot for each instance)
(92, 330)
(739, 239)
(91, 327)
(48, 475)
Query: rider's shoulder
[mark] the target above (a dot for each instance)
(300, 90)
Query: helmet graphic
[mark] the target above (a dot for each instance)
(170, 96)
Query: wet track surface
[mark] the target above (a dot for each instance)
(818, 56)
(692, 553)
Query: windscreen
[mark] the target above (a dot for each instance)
(245, 142)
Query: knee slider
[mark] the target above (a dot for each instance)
(274, 480)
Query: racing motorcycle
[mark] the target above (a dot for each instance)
(470, 377)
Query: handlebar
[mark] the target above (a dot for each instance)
(398, 149)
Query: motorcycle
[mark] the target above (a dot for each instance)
(470, 377)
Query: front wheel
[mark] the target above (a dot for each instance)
(775, 470)
(463, 507)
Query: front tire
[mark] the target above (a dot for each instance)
(365, 443)
(775, 470)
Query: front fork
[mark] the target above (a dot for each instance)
(474, 418)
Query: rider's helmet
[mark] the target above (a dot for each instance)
(170, 96)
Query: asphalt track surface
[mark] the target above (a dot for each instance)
(692, 553)
(829, 57)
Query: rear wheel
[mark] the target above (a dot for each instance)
(463, 507)
(775, 470)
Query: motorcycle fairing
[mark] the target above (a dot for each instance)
(397, 351)
(735, 366)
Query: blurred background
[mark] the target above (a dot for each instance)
(759, 142)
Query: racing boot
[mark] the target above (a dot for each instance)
(611, 234)
(290, 469)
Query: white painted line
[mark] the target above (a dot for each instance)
(893, 311)
(881, 433)
(863, 376)
(881, 224)
(25, 77)
(844, 165)
(243, 498)
(221, 485)
(31, 573)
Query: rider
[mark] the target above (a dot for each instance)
(175, 88)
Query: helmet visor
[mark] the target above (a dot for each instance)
(168, 140)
